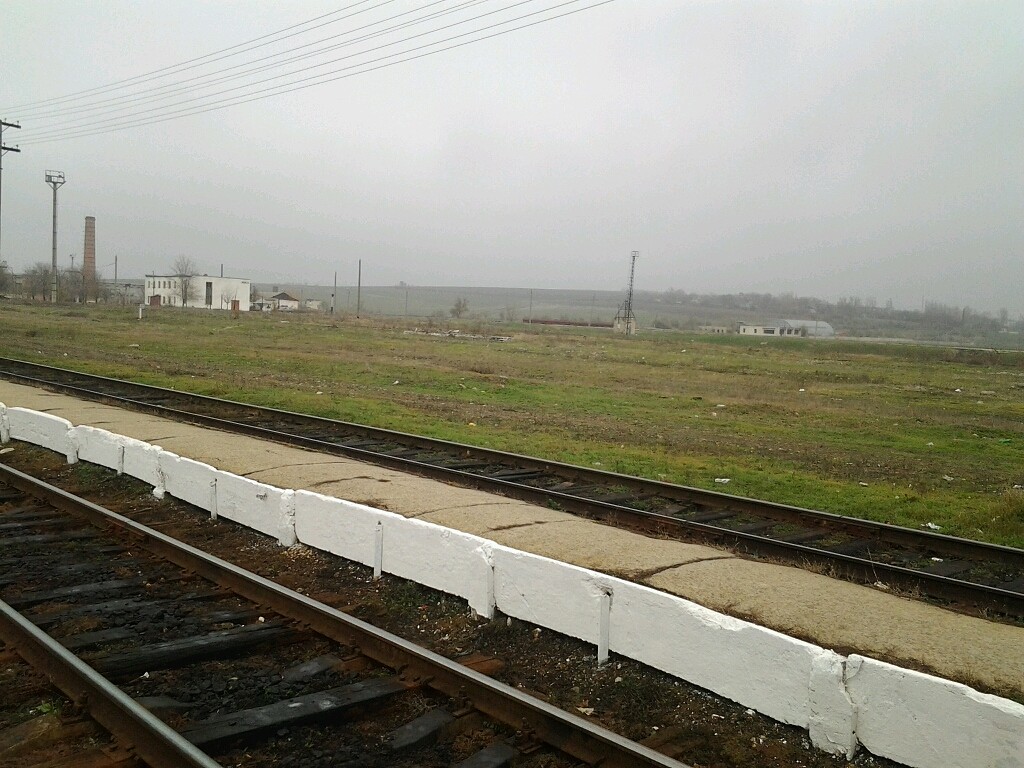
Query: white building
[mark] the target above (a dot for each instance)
(208, 292)
(284, 301)
(813, 328)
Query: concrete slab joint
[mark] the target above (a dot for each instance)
(142, 461)
(191, 481)
(286, 530)
(832, 716)
(98, 446)
(438, 557)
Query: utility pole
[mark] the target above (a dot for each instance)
(56, 180)
(359, 289)
(4, 149)
(335, 291)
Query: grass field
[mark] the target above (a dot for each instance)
(905, 434)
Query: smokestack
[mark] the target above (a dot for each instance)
(89, 251)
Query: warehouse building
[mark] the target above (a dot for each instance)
(811, 328)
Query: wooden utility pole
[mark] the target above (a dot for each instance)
(4, 149)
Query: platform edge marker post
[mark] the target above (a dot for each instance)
(213, 498)
(5, 427)
(378, 550)
(120, 459)
(604, 627)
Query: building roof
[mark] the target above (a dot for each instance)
(283, 297)
(819, 327)
(197, 276)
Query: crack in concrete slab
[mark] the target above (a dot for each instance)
(299, 464)
(450, 507)
(321, 483)
(661, 569)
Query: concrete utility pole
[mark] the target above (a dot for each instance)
(56, 180)
(4, 149)
(359, 289)
(335, 291)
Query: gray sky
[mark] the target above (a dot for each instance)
(829, 149)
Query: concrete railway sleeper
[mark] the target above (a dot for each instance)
(972, 575)
(189, 660)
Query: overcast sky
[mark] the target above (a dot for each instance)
(822, 148)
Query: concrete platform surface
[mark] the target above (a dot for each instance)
(834, 614)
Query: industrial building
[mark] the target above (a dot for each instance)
(204, 291)
(809, 328)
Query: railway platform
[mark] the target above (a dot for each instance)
(835, 614)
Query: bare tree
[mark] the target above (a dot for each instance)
(460, 308)
(70, 285)
(6, 278)
(184, 268)
(37, 280)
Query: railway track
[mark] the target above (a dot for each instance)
(975, 576)
(190, 661)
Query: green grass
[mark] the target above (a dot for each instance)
(871, 430)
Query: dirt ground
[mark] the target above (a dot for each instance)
(643, 704)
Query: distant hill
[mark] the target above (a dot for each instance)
(666, 310)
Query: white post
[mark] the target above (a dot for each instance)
(378, 551)
(604, 627)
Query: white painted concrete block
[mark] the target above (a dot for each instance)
(191, 481)
(98, 446)
(754, 666)
(337, 526)
(928, 722)
(562, 597)
(441, 558)
(254, 505)
(142, 461)
(5, 427)
(832, 717)
(286, 530)
(42, 429)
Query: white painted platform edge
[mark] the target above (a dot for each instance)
(925, 721)
(915, 718)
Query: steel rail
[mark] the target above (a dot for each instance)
(133, 725)
(852, 566)
(568, 733)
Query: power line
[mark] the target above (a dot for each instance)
(182, 65)
(46, 132)
(303, 83)
(114, 104)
